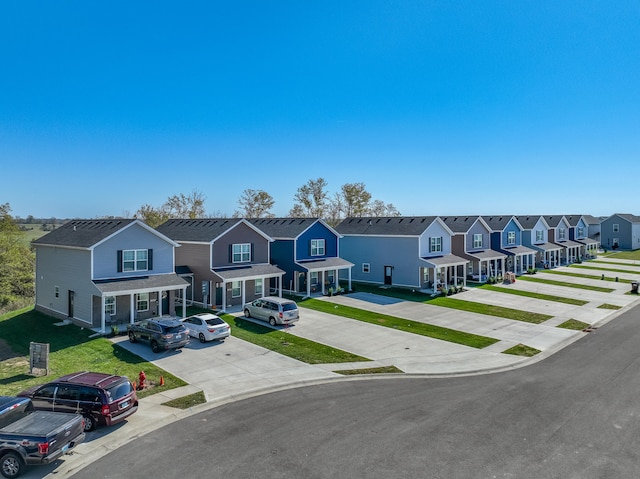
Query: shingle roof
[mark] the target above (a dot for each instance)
(573, 220)
(83, 233)
(528, 221)
(283, 228)
(629, 217)
(497, 222)
(396, 225)
(553, 220)
(459, 224)
(591, 220)
(205, 230)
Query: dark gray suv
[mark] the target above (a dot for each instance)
(161, 334)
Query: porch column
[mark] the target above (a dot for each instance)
(322, 279)
(132, 308)
(279, 280)
(159, 302)
(308, 284)
(349, 270)
(184, 302)
(224, 297)
(102, 322)
(336, 279)
(243, 292)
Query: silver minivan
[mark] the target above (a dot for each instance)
(273, 309)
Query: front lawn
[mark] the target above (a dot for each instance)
(564, 283)
(70, 350)
(531, 294)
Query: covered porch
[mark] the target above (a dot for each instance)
(520, 259)
(321, 275)
(125, 300)
(441, 272)
(486, 264)
(548, 255)
(238, 285)
(591, 247)
(571, 251)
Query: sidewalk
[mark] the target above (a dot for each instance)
(236, 369)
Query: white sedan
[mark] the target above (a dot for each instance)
(207, 327)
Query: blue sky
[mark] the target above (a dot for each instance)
(439, 107)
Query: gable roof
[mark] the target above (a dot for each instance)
(287, 228)
(85, 233)
(201, 230)
(553, 220)
(385, 226)
(626, 216)
(461, 224)
(573, 220)
(529, 221)
(591, 220)
(499, 222)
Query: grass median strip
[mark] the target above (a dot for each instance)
(601, 277)
(531, 294)
(491, 310)
(609, 306)
(415, 327)
(564, 283)
(380, 370)
(574, 324)
(522, 350)
(610, 270)
(282, 342)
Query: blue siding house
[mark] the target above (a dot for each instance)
(559, 234)
(620, 230)
(307, 250)
(535, 235)
(102, 272)
(403, 251)
(579, 232)
(506, 236)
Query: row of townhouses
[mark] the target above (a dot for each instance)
(115, 271)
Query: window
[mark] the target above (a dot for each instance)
(110, 305)
(366, 267)
(539, 236)
(511, 237)
(580, 232)
(241, 253)
(435, 244)
(477, 240)
(616, 227)
(56, 291)
(317, 247)
(561, 233)
(313, 277)
(142, 302)
(330, 277)
(135, 260)
(236, 289)
(258, 287)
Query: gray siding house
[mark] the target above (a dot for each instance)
(402, 251)
(97, 273)
(228, 260)
(535, 235)
(559, 233)
(620, 230)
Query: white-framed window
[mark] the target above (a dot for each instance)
(135, 260)
(366, 267)
(56, 291)
(241, 253)
(539, 236)
(110, 305)
(142, 302)
(435, 244)
(561, 233)
(477, 240)
(317, 247)
(330, 276)
(616, 227)
(313, 277)
(258, 287)
(580, 231)
(236, 289)
(511, 237)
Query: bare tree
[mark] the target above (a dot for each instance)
(379, 208)
(255, 204)
(310, 200)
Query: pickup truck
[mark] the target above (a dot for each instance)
(29, 437)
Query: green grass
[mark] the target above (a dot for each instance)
(70, 350)
(282, 342)
(610, 270)
(522, 350)
(380, 370)
(531, 294)
(185, 402)
(609, 306)
(568, 285)
(574, 324)
(491, 310)
(632, 255)
(589, 276)
(415, 327)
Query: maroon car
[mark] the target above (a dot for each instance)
(101, 398)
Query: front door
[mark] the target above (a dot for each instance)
(387, 274)
(71, 298)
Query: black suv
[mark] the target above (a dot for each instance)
(161, 334)
(101, 398)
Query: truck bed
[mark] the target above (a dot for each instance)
(39, 423)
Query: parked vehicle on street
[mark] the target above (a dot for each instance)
(273, 309)
(207, 327)
(29, 437)
(102, 399)
(161, 334)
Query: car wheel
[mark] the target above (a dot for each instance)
(132, 337)
(89, 423)
(12, 465)
(154, 347)
(272, 321)
(202, 338)
(247, 314)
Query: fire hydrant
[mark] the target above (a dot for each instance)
(141, 378)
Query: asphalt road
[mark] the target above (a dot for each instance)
(573, 415)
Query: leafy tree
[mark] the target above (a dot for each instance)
(310, 200)
(255, 204)
(176, 206)
(152, 216)
(355, 199)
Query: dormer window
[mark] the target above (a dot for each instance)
(317, 247)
